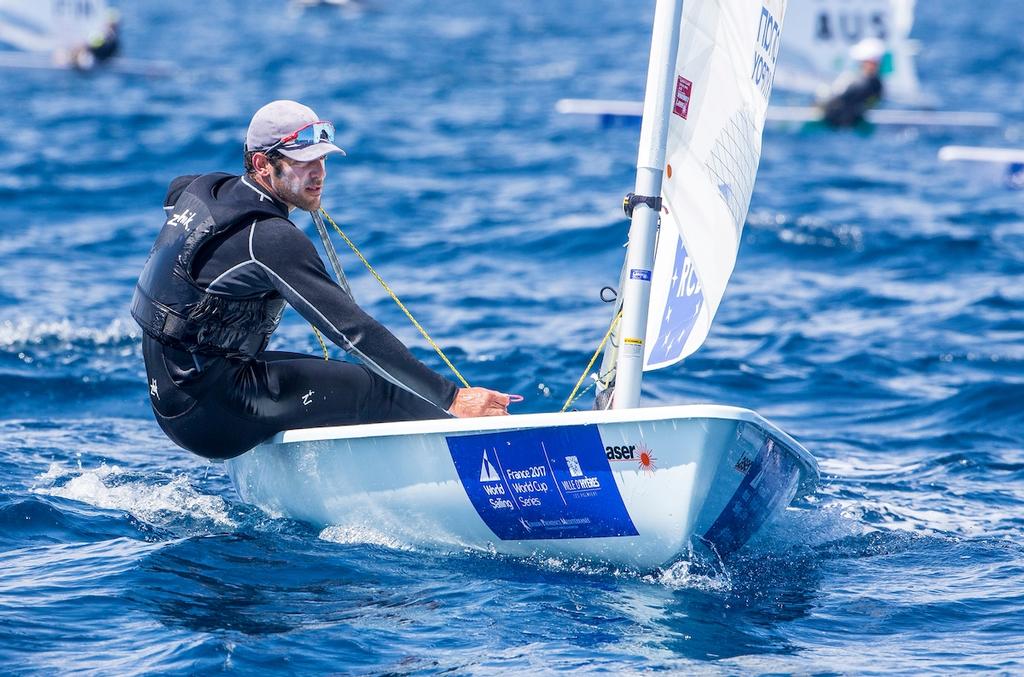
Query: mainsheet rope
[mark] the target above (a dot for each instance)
(394, 297)
(573, 396)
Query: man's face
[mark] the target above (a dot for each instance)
(299, 184)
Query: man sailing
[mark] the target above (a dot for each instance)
(853, 96)
(212, 292)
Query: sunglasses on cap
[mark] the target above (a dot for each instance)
(307, 135)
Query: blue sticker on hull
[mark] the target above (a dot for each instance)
(541, 483)
(770, 480)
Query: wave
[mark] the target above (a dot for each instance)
(40, 519)
(66, 334)
(159, 501)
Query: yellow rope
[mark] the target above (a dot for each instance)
(568, 402)
(323, 346)
(572, 396)
(401, 305)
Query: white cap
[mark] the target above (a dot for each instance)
(279, 119)
(868, 49)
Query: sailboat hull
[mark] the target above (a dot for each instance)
(636, 488)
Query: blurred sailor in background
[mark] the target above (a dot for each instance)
(103, 45)
(226, 262)
(853, 95)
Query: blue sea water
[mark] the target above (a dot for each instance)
(876, 313)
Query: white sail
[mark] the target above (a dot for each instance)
(50, 25)
(820, 33)
(723, 73)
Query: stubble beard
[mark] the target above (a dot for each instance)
(292, 191)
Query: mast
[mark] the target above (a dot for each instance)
(636, 288)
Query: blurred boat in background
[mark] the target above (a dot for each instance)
(1011, 159)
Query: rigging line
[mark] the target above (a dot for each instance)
(339, 272)
(582, 393)
(572, 396)
(320, 339)
(398, 301)
(595, 379)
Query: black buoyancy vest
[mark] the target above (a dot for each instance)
(173, 308)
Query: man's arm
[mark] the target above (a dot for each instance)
(297, 272)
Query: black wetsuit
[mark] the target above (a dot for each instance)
(847, 108)
(107, 46)
(216, 391)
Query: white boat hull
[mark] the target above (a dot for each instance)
(630, 487)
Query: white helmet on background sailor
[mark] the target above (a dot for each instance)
(868, 49)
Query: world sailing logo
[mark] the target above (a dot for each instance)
(487, 471)
(766, 52)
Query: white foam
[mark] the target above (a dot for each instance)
(690, 575)
(157, 504)
(54, 472)
(362, 536)
(29, 332)
(585, 567)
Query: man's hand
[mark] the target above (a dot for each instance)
(471, 402)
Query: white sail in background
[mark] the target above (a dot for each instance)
(820, 33)
(723, 73)
(50, 25)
